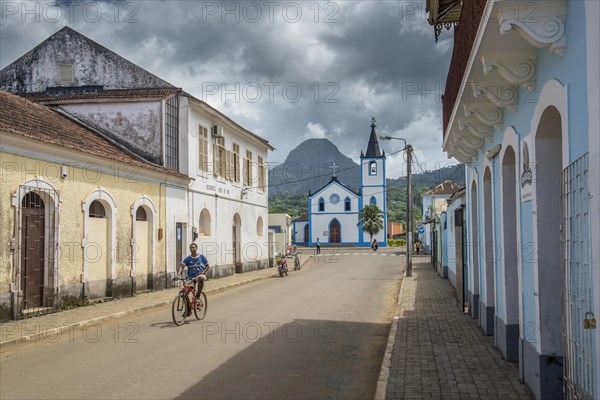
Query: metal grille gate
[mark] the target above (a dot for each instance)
(36, 274)
(575, 236)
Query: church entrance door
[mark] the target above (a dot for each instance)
(334, 232)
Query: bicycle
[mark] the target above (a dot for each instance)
(296, 262)
(185, 302)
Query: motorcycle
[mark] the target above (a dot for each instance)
(282, 266)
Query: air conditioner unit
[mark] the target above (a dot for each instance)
(217, 130)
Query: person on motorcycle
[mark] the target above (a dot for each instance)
(282, 261)
(374, 245)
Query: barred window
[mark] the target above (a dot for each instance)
(172, 132)
(140, 214)
(97, 210)
(202, 148)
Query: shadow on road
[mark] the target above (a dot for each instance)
(303, 359)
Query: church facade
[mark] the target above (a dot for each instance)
(333, 209)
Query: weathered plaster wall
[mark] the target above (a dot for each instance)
(134, 125)
(93, 65)
(73, 190)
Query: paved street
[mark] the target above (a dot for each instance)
(318, 333)
(441, 353)
(304, 336)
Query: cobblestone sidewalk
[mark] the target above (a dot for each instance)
(441, 353)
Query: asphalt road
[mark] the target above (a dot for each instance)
(319, 333)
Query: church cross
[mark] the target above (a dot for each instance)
(333, 166)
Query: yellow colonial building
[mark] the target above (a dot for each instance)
(81, 217)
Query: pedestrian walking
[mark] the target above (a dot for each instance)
(318, 244)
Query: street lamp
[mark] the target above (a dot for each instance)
(409, 213)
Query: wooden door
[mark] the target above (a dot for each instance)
(334, 232)
(32, 250)
(306, 233)
(234, 239)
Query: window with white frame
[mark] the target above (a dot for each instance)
(236, 163)
(202, 148)
(262, 182)
(248, 168)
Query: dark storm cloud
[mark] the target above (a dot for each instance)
(386, 44)
(368, 52)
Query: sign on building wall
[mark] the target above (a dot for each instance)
(526, 172)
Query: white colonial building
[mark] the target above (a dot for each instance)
(225, 208)
(333, 209)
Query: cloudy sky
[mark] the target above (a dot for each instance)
(286, 70)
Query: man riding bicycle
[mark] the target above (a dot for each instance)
(197, 266)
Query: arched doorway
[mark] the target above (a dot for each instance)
(475, 250)
(508, 337)
(335, 231)
(306, 233)
(33, 240)
(143, 248)
(236, 240)
(550, 269)
(97, 251)
(486, 317)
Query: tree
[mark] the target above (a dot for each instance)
(371, 219)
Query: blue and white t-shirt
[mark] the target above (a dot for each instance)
(195, 265)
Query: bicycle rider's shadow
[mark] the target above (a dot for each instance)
(168, 324)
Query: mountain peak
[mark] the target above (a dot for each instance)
(308, 167)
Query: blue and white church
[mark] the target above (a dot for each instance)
(333, 209)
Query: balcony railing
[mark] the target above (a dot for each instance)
(464, 36)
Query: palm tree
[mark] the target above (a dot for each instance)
(371, 219)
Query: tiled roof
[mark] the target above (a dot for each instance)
(457, 194)
(28, 119)
(58, 96)
(445, 188)
(303, 217)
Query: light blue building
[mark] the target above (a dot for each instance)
(521, 110)
(333, 209)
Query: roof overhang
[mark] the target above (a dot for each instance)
(502, 59)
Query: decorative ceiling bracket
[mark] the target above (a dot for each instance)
(472, 143)
(499, 95)
(478, 130)
(540, 23)
(517, 68)
(464, 154)
(485, 112)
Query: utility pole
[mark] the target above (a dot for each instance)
(409, 210)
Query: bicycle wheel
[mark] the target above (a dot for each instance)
(179, 309)
(201, 306)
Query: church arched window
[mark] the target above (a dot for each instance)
(373, 201)
(347, 204)
(321, 204)
(372, 168)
